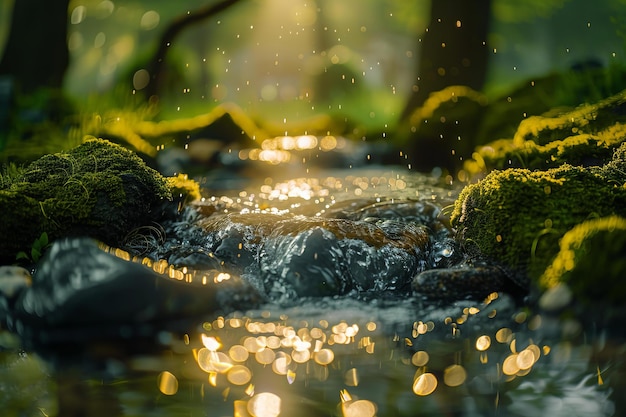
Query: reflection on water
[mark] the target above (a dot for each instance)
(378, 355)
(330, 357)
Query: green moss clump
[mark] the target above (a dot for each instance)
(442, 132)
(517, 216)
(585, 136)
(97, 189)
(184, 188)
(615, 170)
(591, 261)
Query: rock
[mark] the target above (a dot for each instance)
(555, 298)
(97, 189)
(575, 164)
(442, 132)
(591, 262)
(517, 216)
(81, 291)
(474, 282)
(13, 279)
(298, 256)
(316, 257)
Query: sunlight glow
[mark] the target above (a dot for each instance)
(210, 342)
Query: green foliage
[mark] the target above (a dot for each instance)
(517, 11)
(9, 173)
(38, 124)
(39, 246)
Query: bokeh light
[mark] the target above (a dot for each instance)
(425, 384)
(168, 383)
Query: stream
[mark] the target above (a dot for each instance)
(354, 341)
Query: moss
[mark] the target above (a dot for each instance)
(587, 118)
(615, 170)
(20, 216)
(9, 174)
(97, 189)
(133, 127)
(591, 250)
(517, 216)
(585, 136)
(442, 132)
(184, 187)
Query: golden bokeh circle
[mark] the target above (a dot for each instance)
(420, 358)
(425, 384)
(239, 375)
(454, 375)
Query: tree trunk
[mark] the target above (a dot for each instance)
(36, 53)
(453, 49)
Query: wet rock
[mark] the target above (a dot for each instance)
(462, 282)
(359, 246)
(80, 291)
(313, 256)
(307, 264)
(13, 279)
(335, 256)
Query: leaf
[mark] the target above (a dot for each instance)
(43, 239)
(21, 255)
(35, 254)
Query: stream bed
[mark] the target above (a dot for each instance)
(368, 347)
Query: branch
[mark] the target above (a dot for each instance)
(155, 67)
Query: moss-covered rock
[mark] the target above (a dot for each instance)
(97, 189)
(183, 188)
(591, 261)
(517, 216)
(442, 132)
(585, 136)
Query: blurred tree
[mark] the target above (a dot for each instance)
(36, 53)
(453, 49)
(156, 67)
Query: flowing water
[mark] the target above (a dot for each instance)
(363, 346)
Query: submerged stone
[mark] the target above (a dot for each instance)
(335, 256)
(475, 282)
